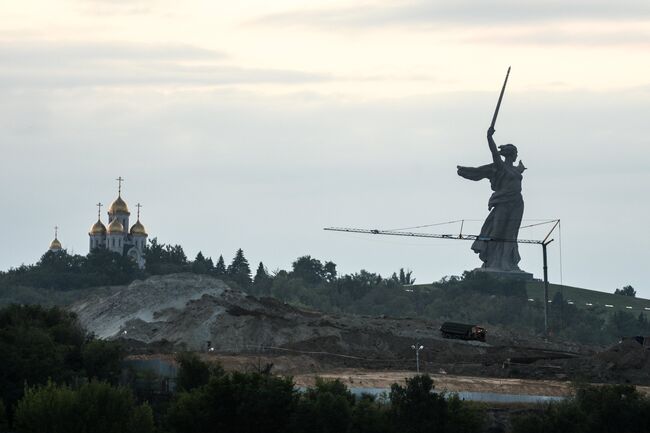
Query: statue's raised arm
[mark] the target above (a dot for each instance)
(493, 147)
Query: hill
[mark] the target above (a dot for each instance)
(588, 299)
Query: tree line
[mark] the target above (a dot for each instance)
(310, 282)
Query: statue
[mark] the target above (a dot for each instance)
(499, 251)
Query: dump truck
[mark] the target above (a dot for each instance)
(462, 331)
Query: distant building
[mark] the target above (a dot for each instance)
(117, 237)
(55, 245)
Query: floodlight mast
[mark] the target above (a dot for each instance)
(544, 243)
(417, 347)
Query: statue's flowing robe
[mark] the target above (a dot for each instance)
(506, 207)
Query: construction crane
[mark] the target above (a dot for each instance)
(544, 243)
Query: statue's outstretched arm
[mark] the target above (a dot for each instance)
(493, 147)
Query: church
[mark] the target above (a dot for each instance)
(117, 236)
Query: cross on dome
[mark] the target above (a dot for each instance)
(119, 185)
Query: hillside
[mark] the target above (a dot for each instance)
(197, 312)
(589, 299)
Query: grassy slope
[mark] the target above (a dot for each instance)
(583, 296)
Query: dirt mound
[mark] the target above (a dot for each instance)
(188, 311)
(626, 355)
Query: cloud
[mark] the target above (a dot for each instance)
(116, 7)
(563, 36)
(65, 64)
(461, 12)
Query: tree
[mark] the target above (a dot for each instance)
(235, 402)
(108, 267)
(239, 271)
(329, 269)
(194, 372)
(626, 291)
(416, 408)
(94, 407)
(262, 281)
(37, 344)
(220, 268)
(325, 408)
(102, 360)
(404, 277)
(4, 423)
(164, 259)
(594, 409)
(201, 265)
(310, 270)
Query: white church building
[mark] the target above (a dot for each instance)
(117, 236)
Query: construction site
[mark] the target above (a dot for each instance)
(163, 315)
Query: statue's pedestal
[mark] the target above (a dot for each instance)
(512, 275)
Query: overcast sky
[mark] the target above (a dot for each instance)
(255, 124)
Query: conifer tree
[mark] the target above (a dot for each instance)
(262, 281)
(239, 271)
(220, 269)
(201, 265)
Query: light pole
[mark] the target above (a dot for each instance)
(417, 347)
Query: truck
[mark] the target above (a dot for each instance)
(462, 331)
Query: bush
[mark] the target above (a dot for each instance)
(325, 408)
(193, 372)
(95, 407)
(417, 409)
(235, 402)
(593, 409)
(102, 360)
(37, 344)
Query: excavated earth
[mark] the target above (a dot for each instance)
(164, 314)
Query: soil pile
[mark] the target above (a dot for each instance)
(196, 312)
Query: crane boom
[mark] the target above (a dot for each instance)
(430, 235)
(544, 243)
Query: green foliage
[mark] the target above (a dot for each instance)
(201, 265)
(239, 271)
(94, 407)
(235, 402)
(37, 344)
(193, 372)
(594, 409)
(102, 360)
(4, 422)
(369, 416)
(325, 408)
(625, 324)
(59, 270)
(110, 267)
(312, 271)
(626, 291)
(417, 409)
(262, 281)
(220, 268)
(164, 259)
(404, 277)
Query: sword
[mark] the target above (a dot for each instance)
(503, 89)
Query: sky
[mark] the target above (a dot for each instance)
(256, 124)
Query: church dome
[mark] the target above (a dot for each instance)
(98, 228)
(118, 206)
(138, 229)
(115, 226)
(55, 245)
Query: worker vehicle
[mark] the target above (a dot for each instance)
(463, 331)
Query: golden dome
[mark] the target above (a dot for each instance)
(98, 228)
(55, 244)
(115, 226)
(138, 229)
(118, 206)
